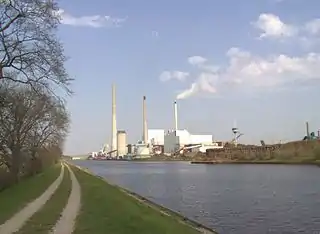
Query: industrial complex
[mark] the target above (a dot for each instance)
(155, 141)
(165, 142)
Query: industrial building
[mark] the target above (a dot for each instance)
(173, 141)
(156, 136)
(178, 139)
(122, 148)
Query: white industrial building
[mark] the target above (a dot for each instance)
(174, 140)
(121, 143)
(156, 136)
(177, 139)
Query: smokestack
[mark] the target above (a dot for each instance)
(114, 120)
(307, 128)
(144, 116)
(175, 115)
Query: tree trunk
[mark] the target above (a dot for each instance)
(15, 165)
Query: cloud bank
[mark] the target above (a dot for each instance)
(93, 21)
(245, 69)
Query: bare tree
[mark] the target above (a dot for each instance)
(30, 52)
(29, 122)
(49, 128)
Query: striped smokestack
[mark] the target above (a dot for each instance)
(175, 115)
(114, 121)
(144, 116)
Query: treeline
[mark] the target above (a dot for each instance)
(33, 85)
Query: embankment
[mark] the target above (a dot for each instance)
(258, 162)
(299, 152)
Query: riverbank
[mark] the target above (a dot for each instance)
(108, 208)
(315, 163)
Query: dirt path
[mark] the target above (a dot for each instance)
(68, 217)
(17, 221)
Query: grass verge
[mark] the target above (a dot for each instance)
(271, 162)
(106, 209)
(16, 197)
(45, 219)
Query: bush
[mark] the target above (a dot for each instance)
(6, 178)
(316, 153)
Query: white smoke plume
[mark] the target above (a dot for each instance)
(205, 83)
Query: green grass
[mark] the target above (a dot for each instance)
(44, 220)
(17, 196)
(106, 209)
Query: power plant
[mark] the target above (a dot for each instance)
(170, 142)
(159, 141)
(153, 141)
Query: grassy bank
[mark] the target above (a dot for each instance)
(45, 219)
(107, 209)
(298, 152)
(17, 196)
(260, 162)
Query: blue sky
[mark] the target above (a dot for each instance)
(254, 61)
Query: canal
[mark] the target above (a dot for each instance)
(238, 199)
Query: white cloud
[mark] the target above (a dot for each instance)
(313, 26)
(246, 70)
(94, 21)
(196, 60)
(171, 75)
(271, 26)
(201, 62)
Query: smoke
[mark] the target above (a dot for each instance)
(204, 83)
(188, 92)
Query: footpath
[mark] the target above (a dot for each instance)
(68, 199)
(64, 225)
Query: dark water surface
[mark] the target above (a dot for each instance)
(241, 199)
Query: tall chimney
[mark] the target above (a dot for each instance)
(114, 121)
(175, 116)
(145, 126)
(307, 128)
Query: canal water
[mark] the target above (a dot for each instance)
(240, 199)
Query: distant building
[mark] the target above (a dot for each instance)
(172, 141)
(156, 136)
(175, 140)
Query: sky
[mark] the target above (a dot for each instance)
(253, 62)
